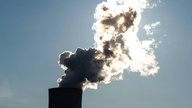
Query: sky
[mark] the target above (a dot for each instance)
(33, 34)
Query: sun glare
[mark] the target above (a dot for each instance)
(121, 20)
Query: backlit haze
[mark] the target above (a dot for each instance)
(117, 47)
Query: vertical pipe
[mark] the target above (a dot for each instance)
(65, 98)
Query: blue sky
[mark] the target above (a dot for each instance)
(34, 33)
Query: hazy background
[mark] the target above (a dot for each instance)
(34, 32)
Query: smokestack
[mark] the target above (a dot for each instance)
(65, 97)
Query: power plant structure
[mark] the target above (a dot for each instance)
(65, 98)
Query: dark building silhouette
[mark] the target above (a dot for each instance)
(65, 98)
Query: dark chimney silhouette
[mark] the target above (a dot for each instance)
(65, 97)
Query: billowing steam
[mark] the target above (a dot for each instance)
(117, 48)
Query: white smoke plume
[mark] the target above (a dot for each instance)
(149, 28)
(117, 48)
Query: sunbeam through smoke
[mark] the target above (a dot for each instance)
(117, 48)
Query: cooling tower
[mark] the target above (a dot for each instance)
(65, 98)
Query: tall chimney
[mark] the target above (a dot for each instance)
(65, 97)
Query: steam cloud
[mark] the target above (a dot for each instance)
(117, 48)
